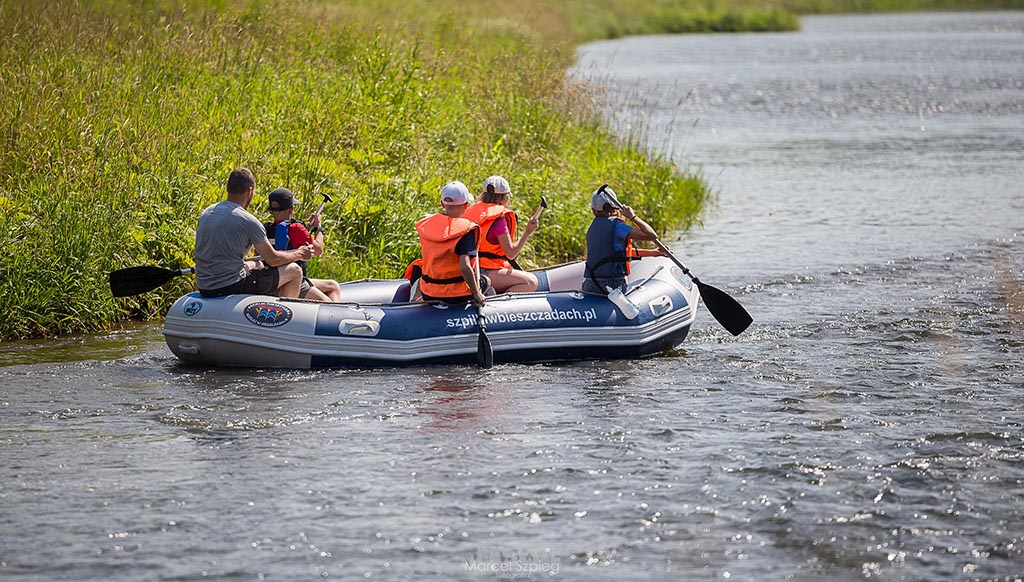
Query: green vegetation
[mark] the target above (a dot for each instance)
(120, 121)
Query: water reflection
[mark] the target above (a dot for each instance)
(130, 338)
(1010, 281)
(461, 402)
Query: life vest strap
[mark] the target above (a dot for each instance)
(590, 270)
(448, 281)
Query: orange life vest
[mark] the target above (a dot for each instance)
(414, 271)
(491, 255)
(438, 236)
(631, 253)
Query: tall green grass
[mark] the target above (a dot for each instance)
(120, 122)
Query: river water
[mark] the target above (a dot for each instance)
(867, 426)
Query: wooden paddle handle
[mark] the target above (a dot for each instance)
(543, 205)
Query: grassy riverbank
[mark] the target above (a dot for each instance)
(120, 121)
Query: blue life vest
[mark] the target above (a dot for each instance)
(279, 239)
(278, 234)
(607, 260)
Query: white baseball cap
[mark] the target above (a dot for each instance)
(455, 193)
(498, 184)
(604, 195)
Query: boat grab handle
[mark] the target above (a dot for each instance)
(190, 348)
(642, 283)
(358, 327)
(661, 305)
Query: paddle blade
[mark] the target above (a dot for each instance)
(137, 280)
(484, 353)
(724, 308)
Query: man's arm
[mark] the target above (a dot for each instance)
(276, 258)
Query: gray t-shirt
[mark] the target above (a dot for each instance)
(224, 235)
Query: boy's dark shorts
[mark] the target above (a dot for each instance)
(257, 282)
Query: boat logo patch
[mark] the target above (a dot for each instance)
(267, 314)
(193, 307)
(682, 277)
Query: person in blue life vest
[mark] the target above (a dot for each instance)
(448, 241)
(285, 232)
(610, 245)
(498, 247)
(225, 234)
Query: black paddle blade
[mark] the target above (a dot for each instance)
(724, 308)
(484, 353)
(543, 202)
(137, 280)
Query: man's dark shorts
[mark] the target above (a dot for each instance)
(257, 282)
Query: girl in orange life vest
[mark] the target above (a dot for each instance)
(449, 244)
(498, 226)
(282, 206)
(610, 243)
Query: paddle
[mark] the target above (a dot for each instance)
(484, 352)
(723, 308)
(137, 280)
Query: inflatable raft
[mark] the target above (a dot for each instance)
(376, 325)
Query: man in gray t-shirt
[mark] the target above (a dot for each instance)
(224, 236)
